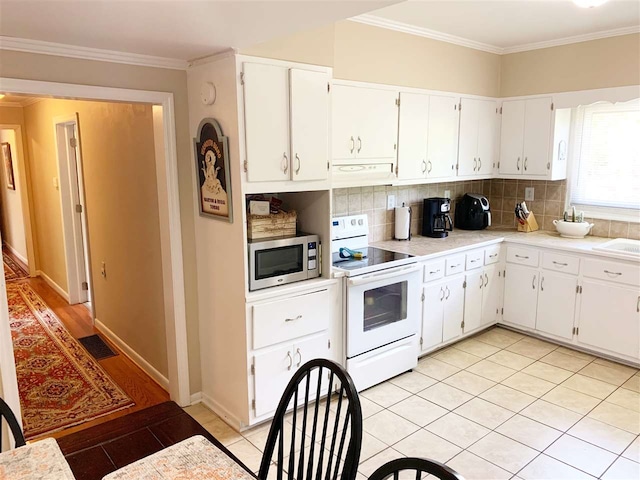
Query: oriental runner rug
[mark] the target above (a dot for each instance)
(60, 384)
(12, 269)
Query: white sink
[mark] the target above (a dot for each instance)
(621, 246)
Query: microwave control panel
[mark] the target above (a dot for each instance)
(312, 255)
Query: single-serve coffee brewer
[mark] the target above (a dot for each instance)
(436, 221)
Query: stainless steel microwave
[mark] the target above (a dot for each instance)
(284, 260)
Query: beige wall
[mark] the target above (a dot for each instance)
(608, 62)
(13, 232)
(86, 72)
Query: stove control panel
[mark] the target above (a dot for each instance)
(349, 226)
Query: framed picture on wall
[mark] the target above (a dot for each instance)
(8, 165)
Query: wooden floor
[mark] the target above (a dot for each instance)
(141, 388)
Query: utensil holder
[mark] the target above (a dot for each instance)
(531, 225)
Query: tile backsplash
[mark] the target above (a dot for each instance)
(548, 205)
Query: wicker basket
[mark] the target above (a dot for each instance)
(268, 226)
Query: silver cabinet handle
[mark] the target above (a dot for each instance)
(448, 293)
(525, 164)
(298, 162)
(481, 283)
(299, 356)
(474, 260)
(493, 256)
(442, 296)
(293, 319)
(518, 164)
(526, 257)
(615, 274)
(638, 304)
(475, 163)
(560, 264)
(353, 145)
(290, 360)
(430, 166)
(479, 163)
(455, 266)
(486, 280)
(533, 282)
(431, 273)
(424, 166)
(285, 162)
(542, 284)
(359, 144)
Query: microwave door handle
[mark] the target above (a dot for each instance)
(383, 276)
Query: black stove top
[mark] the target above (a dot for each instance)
(373, 256)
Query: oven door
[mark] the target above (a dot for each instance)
(382, 307)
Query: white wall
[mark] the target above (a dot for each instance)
(12, 217)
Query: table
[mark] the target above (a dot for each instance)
(41, 460)
(193, 458)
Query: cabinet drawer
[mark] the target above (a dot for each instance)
(474, 259)
(561, 263)
(492, 255)
(522, 256)
(289, 318)
(454, 264)
(434, 270)
(626, 273)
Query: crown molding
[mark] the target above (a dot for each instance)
(376, 21)
(10, 105)
(86, 53)
(229, 52)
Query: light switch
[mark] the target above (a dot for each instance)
(528, 194)
(55, 183)
(391, 202)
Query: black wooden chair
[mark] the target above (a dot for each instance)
(419, 466)
(323, 436)
(14, 426)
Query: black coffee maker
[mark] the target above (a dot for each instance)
(436, 221)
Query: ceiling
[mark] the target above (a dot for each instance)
(508, 24)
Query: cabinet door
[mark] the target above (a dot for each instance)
(537, 135)
(266, 122)
(273, 370)
(442, 138)
(520, 295)
(491, 294)
(468, 142)
(487, 118)
(309, 124)
(511, 137)
(344, 107)
(310, 349)
(609, 317)
(412, 135)
(453, 309)
(432, 311)
(473, 300)
(377, 124)
(556, 304)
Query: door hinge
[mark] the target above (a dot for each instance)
(241, 78)
(253, 403)
(457, 166)
(253, 369)
(421, 341)
(462, 324)
(73, 142)
(328, 87)
(548, 165)
(78, 208)
(395, 146)
(85, 286)
(464, 284)
(398, 101)
(246, 166)
(422, 298)
(396, 169)
(552, 106)
(460, 106)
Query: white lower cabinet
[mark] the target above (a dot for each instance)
(556, 304)
(453, 308)
(491, 295)
(442, 312)
(474, 281)
(520, 296)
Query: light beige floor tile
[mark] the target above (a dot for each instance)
(413, 381)
(632, 384)
(532, 348)
(418, 410)
(445, 396)
(529, 432)
(369, 466)
(426, 444)
(496, 338)
(511, 360)
(528, 384)
(509, 333)
(508, 398)
(476, 347)
(503, 451)
(633, 451)
(370, 446)
(435, 368)
(457, 358)
(221, 431)
(610, 375)
(491, 371)
(575, 401)
(551, 415)
(484, 413)
(617, 416)
(547, 372)
(622, 469)
(458, 430)
(385, 394)
(200, 412)
(601, 434)
(616, 365)
(472, 467)
(625, 398)
(388, 427)
(575, 353)
(590, 386)
(546, 468)
(368, 407)
(469, 382)
(563, 360)
(247, 454)
(581, 455)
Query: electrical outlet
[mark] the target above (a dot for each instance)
(103, 270)
(391, 202)
(447, 194)
(528, 194)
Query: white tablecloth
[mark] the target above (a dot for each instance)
(193, 458)
(41, 460)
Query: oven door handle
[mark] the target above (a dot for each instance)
(384, 275)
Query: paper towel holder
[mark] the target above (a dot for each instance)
(403, 223)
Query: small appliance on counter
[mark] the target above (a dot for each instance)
(403, 223)
(473, 212)
(436, 222)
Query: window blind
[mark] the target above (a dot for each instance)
(608, 163)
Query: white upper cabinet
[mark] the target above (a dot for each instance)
(442, 136)
(476, 147)
(286, 114)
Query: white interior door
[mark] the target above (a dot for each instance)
(442, 139)
(468, 143)
(511, 137)
(537, 136)
(412, 135)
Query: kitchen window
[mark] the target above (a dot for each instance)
(605, 172)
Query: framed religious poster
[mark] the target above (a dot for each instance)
(8, 165)
(212, 171)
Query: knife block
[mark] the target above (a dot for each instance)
(531, 224)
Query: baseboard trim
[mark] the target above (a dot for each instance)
(195, 398)
(53, 284)
(133, 355)
(230, 419)
(17, 254)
